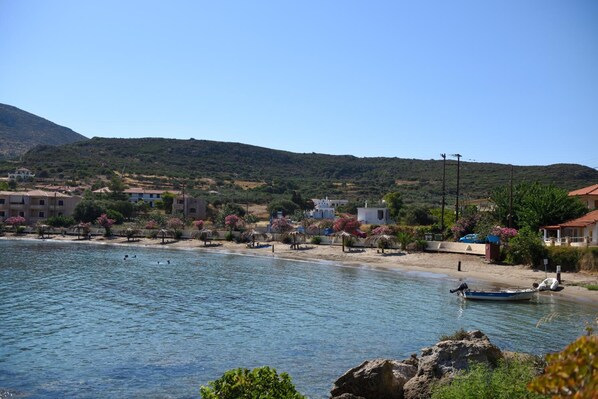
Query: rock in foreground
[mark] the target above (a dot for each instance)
(413, 378)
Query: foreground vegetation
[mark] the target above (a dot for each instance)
(569, 374)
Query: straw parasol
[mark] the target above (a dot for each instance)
(384, 239)
(343, 234)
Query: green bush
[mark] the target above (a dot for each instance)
(567, 257)
(526, 248)
(456, 336)
(508, 380)
(316, 240)
(60, 221)
(116, 216)
(228, 236)
(259, 383)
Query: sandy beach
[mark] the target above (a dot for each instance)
(474, 269)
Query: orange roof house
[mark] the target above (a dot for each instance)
(583, 230)
(587, 195)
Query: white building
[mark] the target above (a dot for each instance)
(373, 215)
(325, 208)
(21, 174)
(146, 195)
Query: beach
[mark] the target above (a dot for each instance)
(473, 269)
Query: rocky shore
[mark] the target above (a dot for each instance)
(414, 378)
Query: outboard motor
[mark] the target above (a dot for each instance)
(460, 288)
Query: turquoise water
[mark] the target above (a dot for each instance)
(78, 321)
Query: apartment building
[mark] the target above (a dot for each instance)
(36, 205)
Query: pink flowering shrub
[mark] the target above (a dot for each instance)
(465, 225)
(198, 224)
(175, 224)
(15, 221)
(347, 224)
(381, 230)
(104, 221)
(233, 222)
(281, 225)
(505, 233)
(151, 225)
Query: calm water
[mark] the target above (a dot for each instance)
(78, 321)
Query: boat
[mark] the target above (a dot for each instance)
(515, 294)
(550, 283)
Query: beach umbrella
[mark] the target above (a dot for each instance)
(205, 235)
(163, 233)
(252, 235)
(342, 234)
(384, 239)
(295, 234)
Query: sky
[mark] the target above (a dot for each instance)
(508, 81)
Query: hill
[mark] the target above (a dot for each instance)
(21, 131)
(248, 173)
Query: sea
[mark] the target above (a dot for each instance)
(87, 321)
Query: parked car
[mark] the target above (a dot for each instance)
(328, 231)
(471, 239)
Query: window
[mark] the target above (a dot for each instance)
(2, 214)
(41, 215)
(42, 202)
(1, 201)
(22, 214)
(60, 202)
(380, 214)
(180, 202)
(151, 195)
(157, 195)
(140, 195)
(192, 210)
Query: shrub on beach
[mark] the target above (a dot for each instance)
(316, 240)
(262, 382)
(508, 380)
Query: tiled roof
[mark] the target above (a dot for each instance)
(590, 190)
(148, 191)
(35, 193)
(586, 220)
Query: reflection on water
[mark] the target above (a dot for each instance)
(79, 321)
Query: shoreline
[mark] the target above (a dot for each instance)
(474, 268)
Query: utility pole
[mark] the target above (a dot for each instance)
(511, 200)
(458, 171)
(443, 192)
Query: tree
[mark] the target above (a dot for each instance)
(15, 222)
(117, 188)
(104, 221)
(88, 211)
(261, 382)
(281, 225)
(175, 225)
(536, 205)
(233, 222)
(198, 224)
(167, 201)
(287, 207)
(526, 248)
(346, 224)
(419, 216)
(394, 203)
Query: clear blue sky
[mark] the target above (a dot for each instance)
(509, 81)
